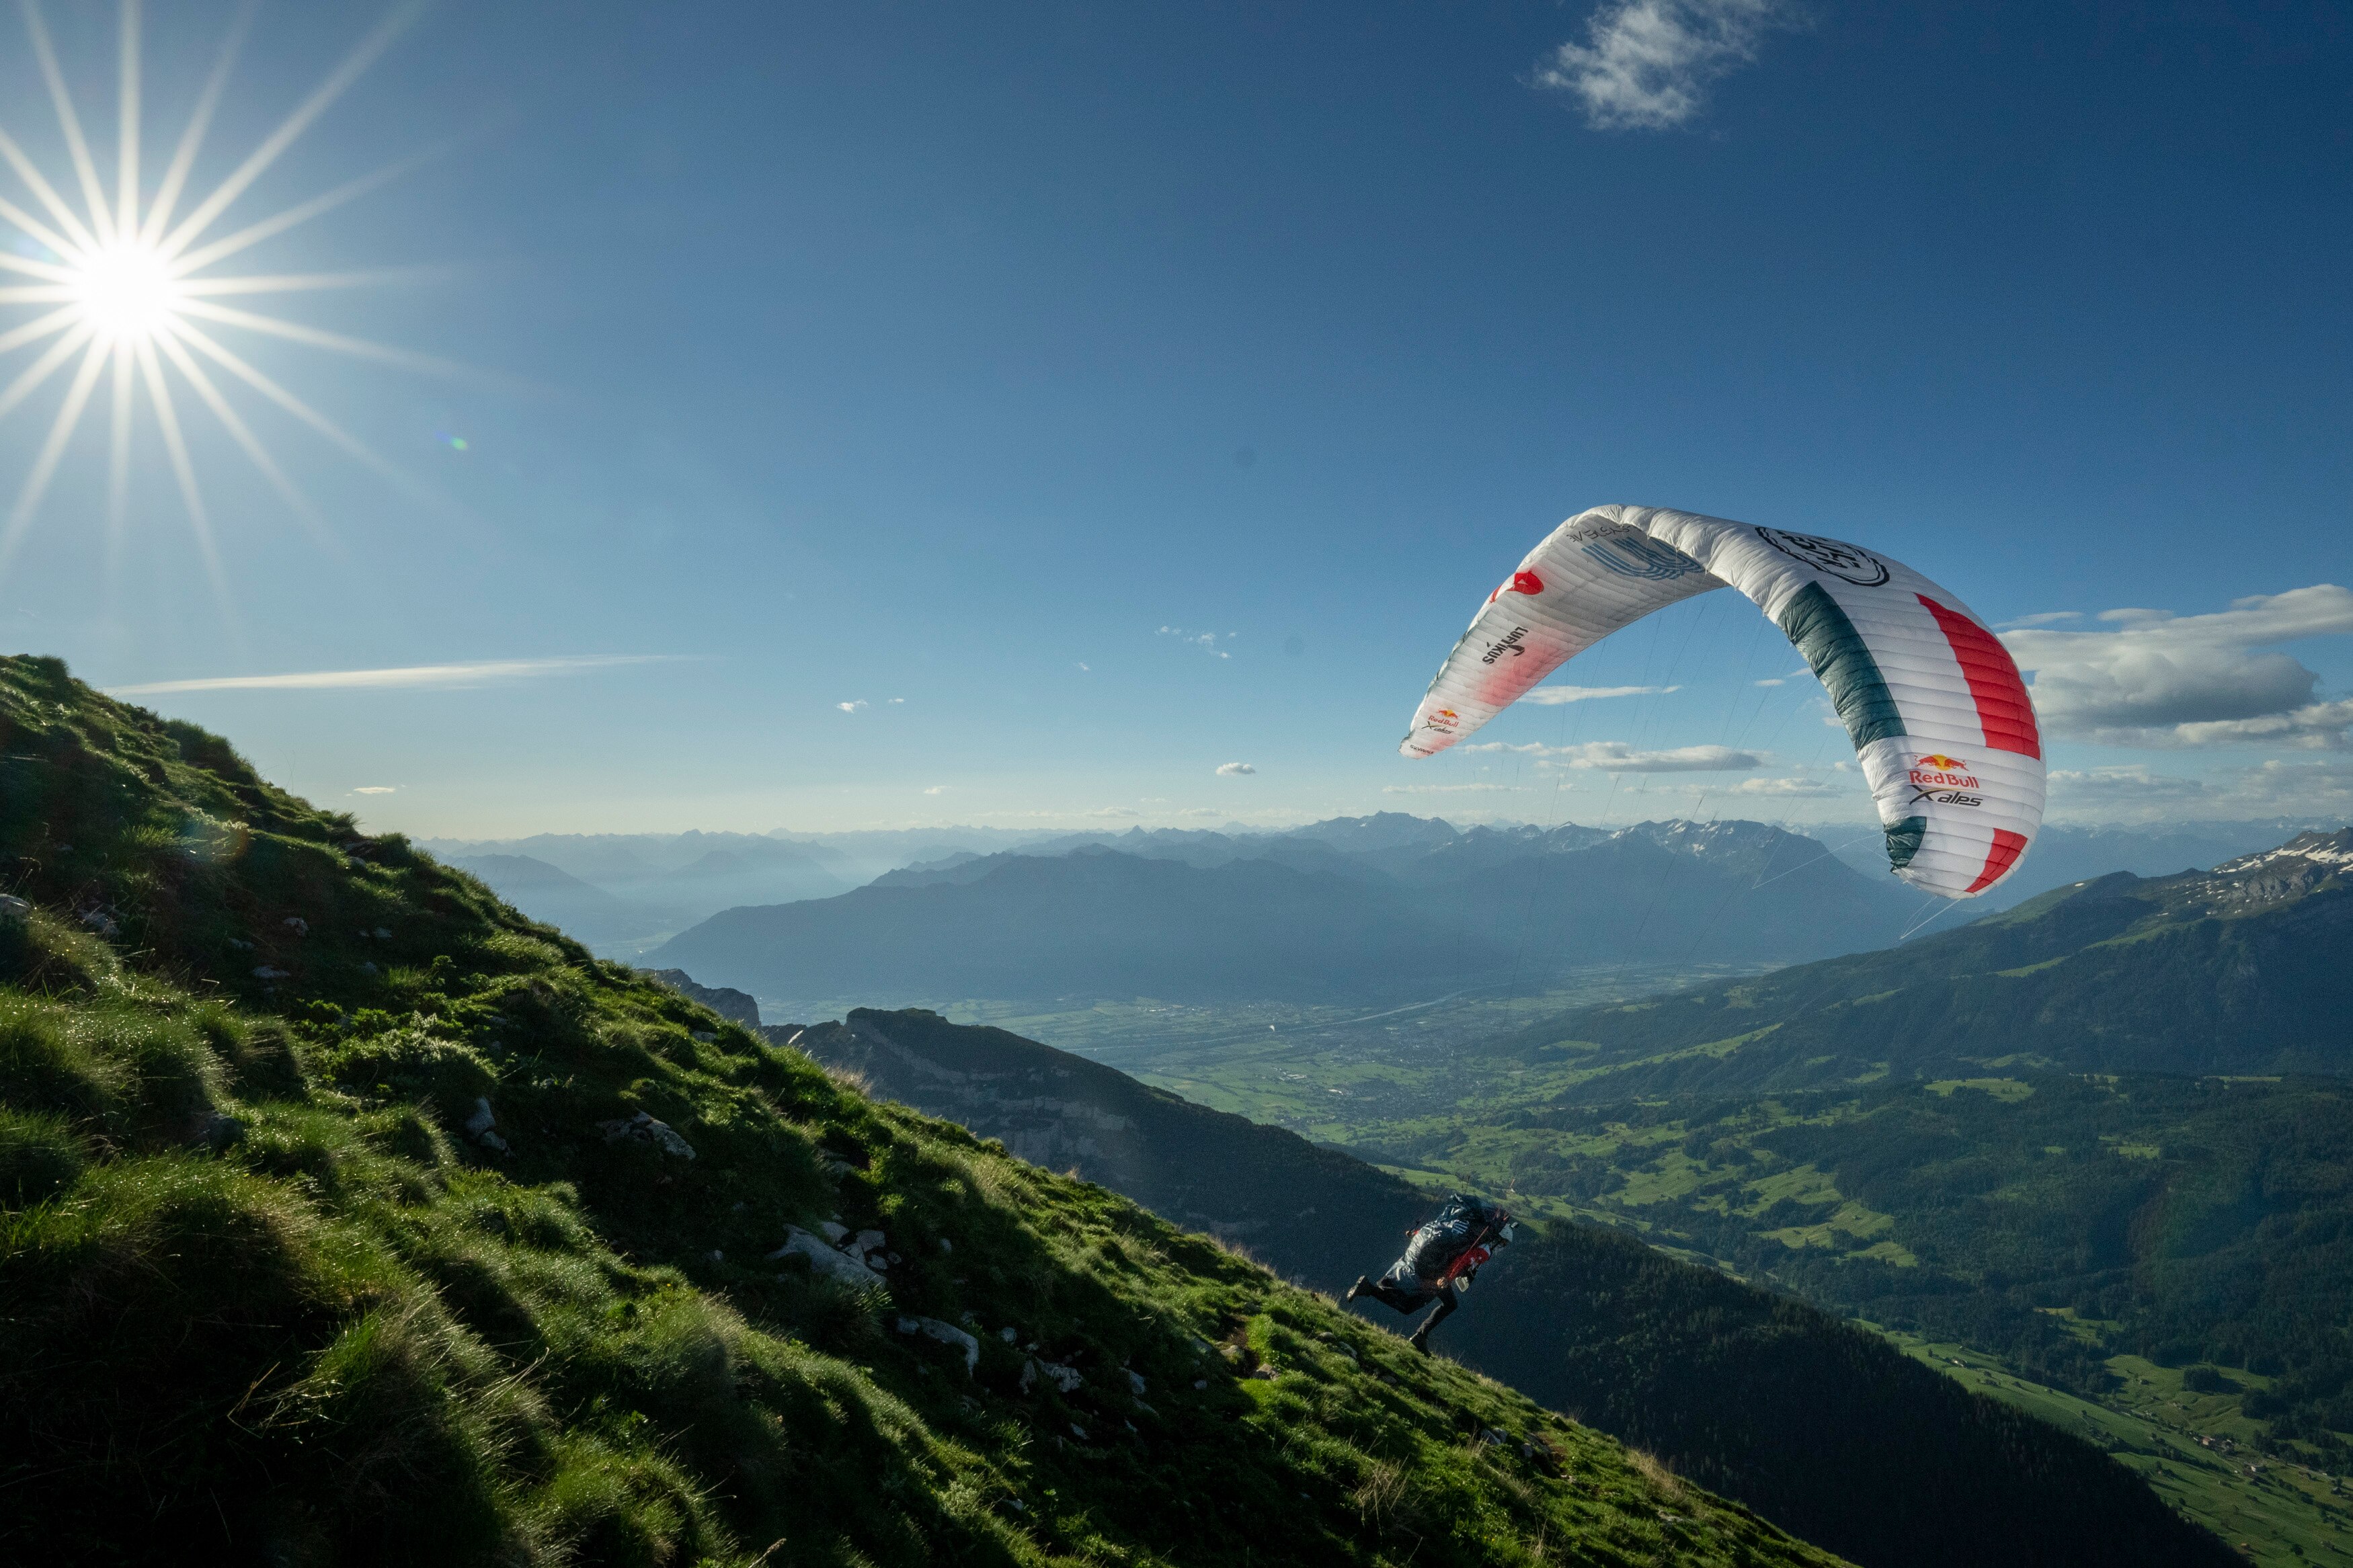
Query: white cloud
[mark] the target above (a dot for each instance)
(1788, 786)
(1554, 696)
(852, 707)
(2049, 618)
(1206, 641)
(1650, 61)
(2135, 792)
(1774, 680)
(1445, 789)
(936, 789)
(1233, 770)
(375, 789)
(2162, 680)
(1617, 756)
(896, 701)
(1118, 811)
(2137, 783)
(412, 676)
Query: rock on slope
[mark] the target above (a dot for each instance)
(1822, 1426)
(352, 1219)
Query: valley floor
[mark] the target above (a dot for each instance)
(2193, 1449)
(1415, 1091)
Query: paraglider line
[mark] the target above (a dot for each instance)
(1950, 905)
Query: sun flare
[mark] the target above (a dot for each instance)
(126, 292)
(121, 286)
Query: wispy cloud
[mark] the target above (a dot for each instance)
(1647, 63)
(2161, 680)
(1206, 641)
(1234, 770)
(409, 678)
(2048, 618)
(1446, 789)
(1554, 696)
(2135, 792)
(1788, 786)
(1617, 756)
(936, 789)
(852, 707)
(375, 789)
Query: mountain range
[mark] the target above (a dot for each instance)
(2240, 969)
(1362, 909)
(621, 894)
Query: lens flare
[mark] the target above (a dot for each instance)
(120, 281)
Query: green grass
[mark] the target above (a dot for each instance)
(262, 1295)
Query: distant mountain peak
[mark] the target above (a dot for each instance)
(2320, 849)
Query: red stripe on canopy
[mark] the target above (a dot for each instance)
(2007, 848)
(2003, 709)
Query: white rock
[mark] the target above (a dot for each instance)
(482, 1121)
(1078, 1431)
(14, 908)
(865, 1241)
(1065, 1378)
(644, 1128)
(382, 934)
(297, 925)
(835, 1231)
(264, 972)
(947, 1334)
(1135, 1382)
(946, 1245)
(824, 1261)
(1008, 1333)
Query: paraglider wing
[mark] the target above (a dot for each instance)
(1942, 725)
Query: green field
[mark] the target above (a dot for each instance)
(2195, 1450)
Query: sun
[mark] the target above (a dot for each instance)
(123, 287)
(126, 292)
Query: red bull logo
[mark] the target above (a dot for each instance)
(1937, 770)
(1443, 719)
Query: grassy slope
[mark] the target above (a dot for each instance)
(2062, 1230)
(259, 1298)
(1820, 1426)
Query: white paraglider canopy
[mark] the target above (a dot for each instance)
(1942, 725)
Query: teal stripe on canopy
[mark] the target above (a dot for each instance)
(1838, 655)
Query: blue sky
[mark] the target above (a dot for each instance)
(989, 360)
